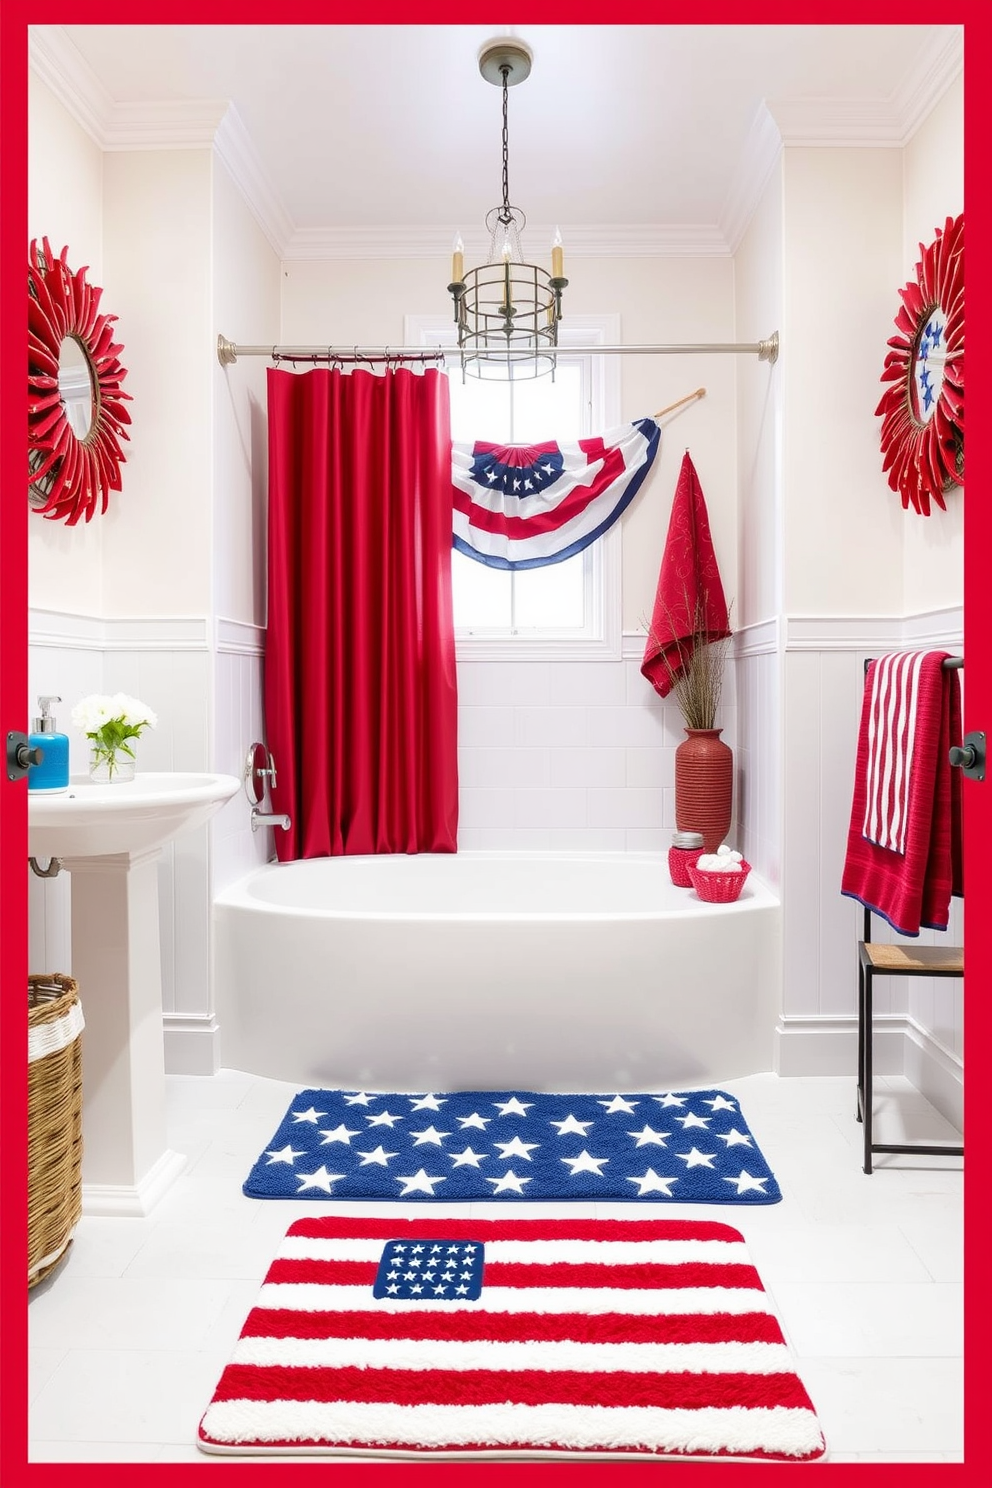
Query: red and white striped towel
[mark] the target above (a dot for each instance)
(894, 691)
(596, 1338)
(904, 842)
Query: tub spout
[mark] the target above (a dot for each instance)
(270, 819)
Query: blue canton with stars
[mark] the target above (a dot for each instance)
(690, 1147)
(430, 1271)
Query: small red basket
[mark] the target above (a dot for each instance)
(718, 888)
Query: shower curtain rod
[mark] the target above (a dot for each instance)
(229, 351)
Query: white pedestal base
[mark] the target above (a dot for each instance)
(127, 1164)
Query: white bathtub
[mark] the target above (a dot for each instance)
(489, 970)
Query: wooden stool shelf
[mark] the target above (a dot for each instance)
(874, 960)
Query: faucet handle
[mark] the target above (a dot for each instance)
(270, 770)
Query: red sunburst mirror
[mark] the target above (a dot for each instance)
(922, 410)
(76, 407)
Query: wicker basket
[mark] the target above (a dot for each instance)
(716, 887)
(55, 1138)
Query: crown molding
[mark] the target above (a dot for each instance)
(876, 123)
(173, 124)
(759, 157)
(623, 240)
(214, 123)
(54, 59)
(235, 148)
(937, 67)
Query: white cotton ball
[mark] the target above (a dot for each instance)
(707, 861)
(723, 848)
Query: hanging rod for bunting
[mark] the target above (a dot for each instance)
(230, 351)
(689, 398)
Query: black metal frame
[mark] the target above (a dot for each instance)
(866, 974)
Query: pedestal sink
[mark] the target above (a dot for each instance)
(110, 837)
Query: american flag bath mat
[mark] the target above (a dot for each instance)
(692, 1148)
(512, 1338)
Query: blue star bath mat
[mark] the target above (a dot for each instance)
(692, 1148)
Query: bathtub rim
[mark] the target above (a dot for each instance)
(757, 894)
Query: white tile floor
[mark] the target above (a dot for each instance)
(129, 1335)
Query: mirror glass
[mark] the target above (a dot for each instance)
(76, 388)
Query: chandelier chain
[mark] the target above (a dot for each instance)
(506, 216)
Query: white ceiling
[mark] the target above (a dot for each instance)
(624, 129)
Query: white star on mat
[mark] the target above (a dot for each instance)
(734, 1138)
(428, 1103)
(618, 1104)
(429, 1134)
(361, 1099)
(339, 1134)
(310, 1115)
(651, 1183)
(693, 1120)
(467, 1158)
(378, 1155)
(419, 1182)
(647, 1136)
(720, 1104)
(513, 1107)
(509, 1183)
(696, 1159)
(321, 1179)
(285, 1154)
(745, 1182)
(584, 1163)
(383, 1119)
(474, 1120)
(571, 1124)
(516, 1148)
(668, 1099)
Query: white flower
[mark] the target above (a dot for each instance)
(111, 720)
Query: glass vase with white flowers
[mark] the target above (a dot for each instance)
(110, 721)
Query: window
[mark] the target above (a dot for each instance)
(565, 609)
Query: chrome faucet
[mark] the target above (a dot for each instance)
(270, 819)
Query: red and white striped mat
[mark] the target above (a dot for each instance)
(512, 1338)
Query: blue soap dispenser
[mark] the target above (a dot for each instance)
(52, 774)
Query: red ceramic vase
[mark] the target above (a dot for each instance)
(704, 786)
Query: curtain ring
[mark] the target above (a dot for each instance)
(275, 356)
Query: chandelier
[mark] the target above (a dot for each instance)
(507, 311)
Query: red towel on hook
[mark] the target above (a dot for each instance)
(904, 857)
(689, 602)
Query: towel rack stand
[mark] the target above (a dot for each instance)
(883, 959)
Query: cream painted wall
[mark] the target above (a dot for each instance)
(157, 234)
(842, 245)
(663, 300)
(933, 182)
(245, 295)
(65, 175)
(758, 284)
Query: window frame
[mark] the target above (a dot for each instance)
(601, 639)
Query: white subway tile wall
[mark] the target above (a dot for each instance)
(569, 754)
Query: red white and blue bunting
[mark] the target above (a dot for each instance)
(525, 506)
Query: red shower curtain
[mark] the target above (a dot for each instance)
(360, 696)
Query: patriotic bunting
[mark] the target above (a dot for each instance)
(518, 507)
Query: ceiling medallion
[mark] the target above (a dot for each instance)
(922, 410)
(76, 407)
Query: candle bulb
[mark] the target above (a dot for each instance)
(557, 256)
(458, 260)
